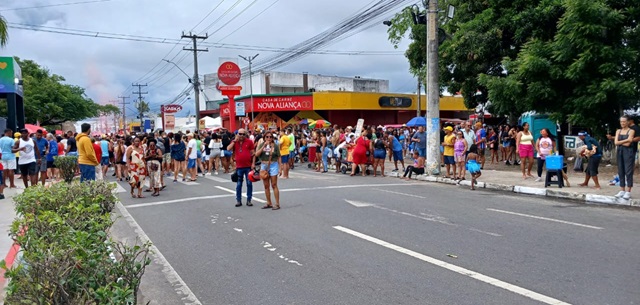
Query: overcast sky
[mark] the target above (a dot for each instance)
(108, 67)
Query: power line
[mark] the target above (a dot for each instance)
(51, 5)
(248, 21)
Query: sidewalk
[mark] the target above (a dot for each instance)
(509, 178)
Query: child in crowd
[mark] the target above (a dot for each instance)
(473, 166)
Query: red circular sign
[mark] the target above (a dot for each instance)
(247, 121)
(229, 73)
(171, 108)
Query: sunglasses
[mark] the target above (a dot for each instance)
(268, 137)
(241, 134)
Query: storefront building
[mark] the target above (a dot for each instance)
(338, 107)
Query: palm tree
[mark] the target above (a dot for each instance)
(4, 34)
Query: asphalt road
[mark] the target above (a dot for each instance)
(364, 240)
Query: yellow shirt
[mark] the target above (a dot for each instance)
(285, 142)
(448, 150)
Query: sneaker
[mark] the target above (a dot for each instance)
(1, 196)
(239, 204)
(216, 173)
(507, 162)
(249, 204)
(395, 170)
(538, 179)
(626, 196)
(620, 194)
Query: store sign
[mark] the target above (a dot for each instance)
(171, 108)
(394, 102)
(240, 110)
(229, 73)
(283, 103)
(169, 122)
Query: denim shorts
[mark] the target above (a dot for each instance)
(191, 163)
(397, 155)
(273, 168)
(285, 159)
(379, 153)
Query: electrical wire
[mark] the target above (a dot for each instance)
(248, 21)
(51, 5)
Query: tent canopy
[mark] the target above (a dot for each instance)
(307, 114)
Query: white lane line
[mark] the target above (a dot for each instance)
(466, 272)
(403, 194)
(140, 205)
(343, 187)
(243, 194)
(172, 276)
(119, 189)
(217, 179)
(547, 219)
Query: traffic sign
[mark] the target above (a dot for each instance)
(246, 121)
(229, 73)
(171, 108)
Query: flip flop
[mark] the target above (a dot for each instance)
(140, 196)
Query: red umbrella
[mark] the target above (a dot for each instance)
(33, 128)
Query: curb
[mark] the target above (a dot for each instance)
(527, 190)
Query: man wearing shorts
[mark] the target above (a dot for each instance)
(595, 150)
(292, 149)
(166, 157)
(105, 147)
(284, 153)
(192, 156)
(8, 159)
(481, 142)
(396, 149)
(29, 158)
(448, 151)
(43, 147)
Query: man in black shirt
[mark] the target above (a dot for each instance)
(636, 129)
(207, 153)
(226, 154)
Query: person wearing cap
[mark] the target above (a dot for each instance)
(87, 160)
(8, 158)
(29, 158)
(595, 151)
(448, 143)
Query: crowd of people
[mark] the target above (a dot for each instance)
(186, 156)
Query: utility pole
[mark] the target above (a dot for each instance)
(433, 89)
(140, 93)
(196, 80)
(124, 111)
(250, 60)
(419, 87)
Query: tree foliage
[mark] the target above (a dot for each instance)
(50, 101)
(4, 32)
(143, 108)
(576, 59)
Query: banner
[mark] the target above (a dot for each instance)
(169, 122)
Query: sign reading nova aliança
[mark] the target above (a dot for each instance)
(10, 74)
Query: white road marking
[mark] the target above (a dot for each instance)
(119, 189)
(344, 187)
(172, 276)
(271, 248)
(243, 194)
(466, 272)
(238, 230)
(427, 217)
(218, 179)
(139, 205)
(398, 193)
(547, 219)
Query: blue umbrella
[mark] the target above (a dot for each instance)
(417, 121)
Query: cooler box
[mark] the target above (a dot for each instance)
(312, 153)
(555, 162)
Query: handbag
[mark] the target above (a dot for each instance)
(264, 174)
(234, 177)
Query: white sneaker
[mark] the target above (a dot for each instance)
(626, 196)
(216, 172)
(538, 179)
(620, 194)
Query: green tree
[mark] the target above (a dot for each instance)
(49, 100)
(108, 109)
(143, 108)
(4, 32)
(586, 74)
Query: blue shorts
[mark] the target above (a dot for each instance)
(199, 154)
(87, 172)
(505, 143)
(422, 152)
(285, 159)
(397, 155)
(380, 153)
(292, 154)
(104, 161)
(449, 160)
(72, 153)
(191, 163)
(273, 168)
(227, 153)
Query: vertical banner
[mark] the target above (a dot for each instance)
(169, 122)
(359, 127)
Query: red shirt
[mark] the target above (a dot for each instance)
(98, 150)
(60, 149)
(243, 153)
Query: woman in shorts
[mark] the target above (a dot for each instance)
(379, 154)
(215, 155)
(459, 149)
(525, 149)
(268, 153)
(178, 152)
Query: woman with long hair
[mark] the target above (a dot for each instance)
(216, 153)
(379, 154)
(524, 148)
(544, 147)
(317, 139)
(268, 153)
(153, 157)
(459, 149)
(137, 167)
(178, 151)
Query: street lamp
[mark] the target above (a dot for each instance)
(250, 60)
(185, 73)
